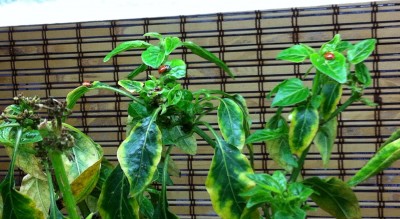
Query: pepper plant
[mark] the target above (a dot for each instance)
(313, 122)
(66, 169)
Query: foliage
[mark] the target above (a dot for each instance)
(66, 169)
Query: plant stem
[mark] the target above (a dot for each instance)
(355, 96)
(300, 164)
(123, 93)
(53, 204)
(14, 156)
(63, 183)
(204, 136)
(164, 184)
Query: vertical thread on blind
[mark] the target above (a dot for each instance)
(14, 73)
(186, 82)
(378, 108)
(46, 61)
(221, 52)
(260, 84)
(340, 143)
(118, 98)
(146, 24)
(295, 38)
(81, 75)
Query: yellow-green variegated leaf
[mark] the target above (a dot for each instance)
(37, 190)
(140, 153)
(331, 92)
(303, 128)
(380, 161)
(82, 163)
(28, 162)
(226, 179)
(83, 185)
(230, 121)
(325, 139)
(114, 201)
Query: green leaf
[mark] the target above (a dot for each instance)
(74, 95)
(362, 74)
(325, 139)
(264, 135)
(171, 43)
(131, 86)
(137, 71)
(227, 179)
(17, 205)
(382, 159)
(393, 137)
(37, 190)
(296, 53)
(184, 141)
(200, 51)
(360, 51)
(331, 45)
(335, 197)
(335, 68)
(331, 93)
(146, 208)
(153, 56)
(290, 92)
(140, 153)
(267, 182)
(230, 122)
(279, 148)
(303, 128)
(178, 68)
(137, 111)
(258, 197)
(126, 46)
(114, 201)
(154, 34)
(343, 45)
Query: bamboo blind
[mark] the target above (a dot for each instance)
(51, 60)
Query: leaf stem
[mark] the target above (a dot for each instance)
(354, 97)
(202, 134)
(63, 183)
(300, 164)
(123, 93)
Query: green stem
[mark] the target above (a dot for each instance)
(14, 156)
(164, 184)
(202, 134)
(307, 72)
(354, 97)
(251, 154)
(125, 93)
(53, 204)
(300, 164)
(63, 183)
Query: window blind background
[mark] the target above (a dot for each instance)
(51, 60)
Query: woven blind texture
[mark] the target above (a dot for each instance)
(51, 60)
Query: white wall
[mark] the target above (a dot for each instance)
(23, 12)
